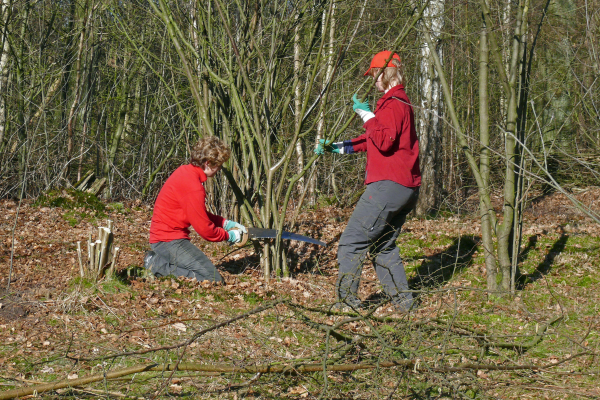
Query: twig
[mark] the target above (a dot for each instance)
(12, 245)
(197, 335)
(187, 342)
(415, 365)
(519, 347)
(522, 347)
(559, 389)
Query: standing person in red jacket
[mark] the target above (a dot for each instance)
(392, 177)
(181, 204)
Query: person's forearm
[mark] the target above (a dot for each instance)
(201, 220)
(216, 219)
(359, 144)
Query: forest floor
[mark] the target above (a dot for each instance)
(459, 343)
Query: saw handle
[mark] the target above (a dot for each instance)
(243, 240)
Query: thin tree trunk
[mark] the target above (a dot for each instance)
(78, 86)
(505, 230)
(484, 162)
(462, 139)
(122, 121)
(68, 67)
(298, 103)
(20, 72)
(430, 116)
(321, 122)
(87, 121)
(4, 16)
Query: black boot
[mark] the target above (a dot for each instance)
(149, 257)
(349, 303)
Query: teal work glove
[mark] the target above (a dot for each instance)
(228, 225)
(360, 106)
(362, 109)
(234, 236)
(330, 147)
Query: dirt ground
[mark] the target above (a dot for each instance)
(45, 256)
(40, 260)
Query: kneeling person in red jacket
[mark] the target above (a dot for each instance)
(181, 204)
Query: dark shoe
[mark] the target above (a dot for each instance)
(404, 305)
(349, 303)
(148, 259)
(147, 271)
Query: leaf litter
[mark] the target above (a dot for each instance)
(49, 311)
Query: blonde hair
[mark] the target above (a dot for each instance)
(391, 76)
(211, 149)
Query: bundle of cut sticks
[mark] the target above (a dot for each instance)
(102, 255)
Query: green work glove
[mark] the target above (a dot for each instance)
(228, 225)
(234, 236)
(362, 109)
(360, 106)
(330, 147)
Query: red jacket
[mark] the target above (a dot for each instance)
(181, 203)
(391, 141)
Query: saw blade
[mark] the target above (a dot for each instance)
(261, 233)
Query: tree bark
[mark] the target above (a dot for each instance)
(506, 229)
(77, 91)
(20, 72)
(298, 103)
(484, 162)
(4, 17)
(121, 121)
(431, 114)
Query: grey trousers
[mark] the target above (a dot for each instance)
(181, 258)
(374, 227)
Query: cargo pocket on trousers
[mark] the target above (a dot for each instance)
(374, 219)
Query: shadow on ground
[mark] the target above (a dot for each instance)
(239, 265)
(544, 267)
(439, 268)
(11, 306)
(301, 259)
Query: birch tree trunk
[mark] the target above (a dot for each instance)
(430, 113)
(321, 118)
(298, 104)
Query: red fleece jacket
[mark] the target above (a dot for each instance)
(181, 203)
(391, 141)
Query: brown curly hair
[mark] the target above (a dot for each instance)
(391, 76)
(211, 149)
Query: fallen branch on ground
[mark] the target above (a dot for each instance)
(416, 365)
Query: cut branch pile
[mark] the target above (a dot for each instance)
(353, 342)
(288, 369)
(102, 255)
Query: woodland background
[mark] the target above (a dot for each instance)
(102, 86)
(502, 249)
(504, 93)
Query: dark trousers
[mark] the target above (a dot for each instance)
(181, 258)
(374, 227)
